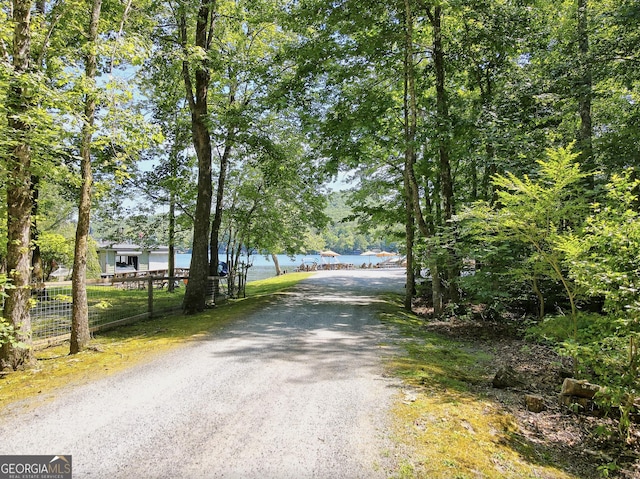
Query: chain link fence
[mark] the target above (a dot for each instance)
(120, 301)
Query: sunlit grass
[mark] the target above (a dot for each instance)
(107, 304)
(273, 285)
(452, 428)
(114, 350)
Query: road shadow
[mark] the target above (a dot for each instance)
(327, 327)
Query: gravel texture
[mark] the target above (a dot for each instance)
(294, 391)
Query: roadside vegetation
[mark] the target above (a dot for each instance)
(451, 422)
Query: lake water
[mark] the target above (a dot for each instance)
(263, 268)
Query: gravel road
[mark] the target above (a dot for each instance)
(294, 391)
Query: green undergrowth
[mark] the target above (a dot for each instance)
(446, 420)
(120, 348)
(603, 347)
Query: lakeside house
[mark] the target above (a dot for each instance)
(127, 257)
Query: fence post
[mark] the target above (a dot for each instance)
(150, 296)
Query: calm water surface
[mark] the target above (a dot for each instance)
(263, 268)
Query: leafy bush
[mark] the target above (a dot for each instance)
(540, 234)
(7, 332)
(8, 335)
(605, 261)
(602, 353)
(519, 235)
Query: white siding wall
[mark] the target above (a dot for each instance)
(158, 260)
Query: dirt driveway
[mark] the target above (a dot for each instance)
(294, 391)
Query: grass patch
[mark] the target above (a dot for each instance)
(115, 350)
(452, 427)
(107, 304)
(273, 285)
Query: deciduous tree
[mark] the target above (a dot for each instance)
(80, 316)
(196, 64)
(19, 200)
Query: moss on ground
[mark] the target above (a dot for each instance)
(451, 427)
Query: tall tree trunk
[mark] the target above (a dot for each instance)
(426, 228)
(484, 82)
(410, 284)
(196, 292)
(217, 215)
(442, 109)
(412, 196)
(474, 179)
(276, 263)
(487, 185)
(585, 91)
(37, 269)
(437, 295)
(446, 181)
(222, 179)
(410, 124)
(19, 201)
(173, 168)
(80, 311)
(172, 241)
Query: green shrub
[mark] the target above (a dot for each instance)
(604, 350)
